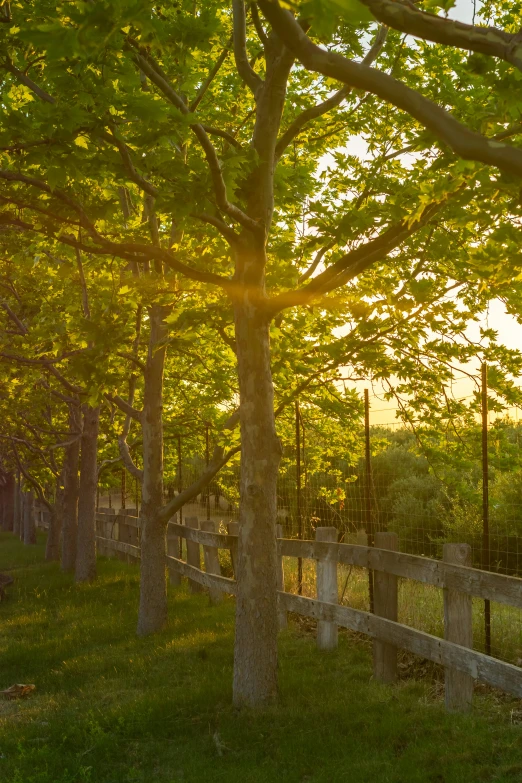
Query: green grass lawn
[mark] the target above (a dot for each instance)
(110, 707)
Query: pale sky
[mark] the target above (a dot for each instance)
(509, 330)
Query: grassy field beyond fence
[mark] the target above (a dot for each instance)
(111, 708)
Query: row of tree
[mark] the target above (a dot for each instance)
(187, 238)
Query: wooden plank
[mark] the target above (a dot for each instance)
(482, 584)
(216, 540)
(458, 627)
(385, 604)
(282, 616)
(212, 564)
(327, 590)
(124, 518)
(119, 546)
(482, 667)
(225, 584)
(193, 553)
(233, 532)
(173, 551)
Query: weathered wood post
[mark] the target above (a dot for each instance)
(233, 530)
(458, 628)
(173, 551)
(281, 613)
(385, 604)
(108, 529)
(193, 553)
(212, 564)
(327, 589)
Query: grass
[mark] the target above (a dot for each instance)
(111, 708)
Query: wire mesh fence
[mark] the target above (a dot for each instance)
(431, 483)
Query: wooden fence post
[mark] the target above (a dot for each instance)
(108, 530)
(233, 530)
(173, 551)
(282, 615)
(193, 554)
(385, 604)
(458, 628)
(326, 590)
(212, 564)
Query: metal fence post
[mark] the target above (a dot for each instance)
(367, 490)
(298, 495)
(486, 554)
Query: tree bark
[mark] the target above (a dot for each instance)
(152, 614)
(8, 503)
(29, 523)
(70, 496)
(255, 650)
(86, 542)
(52, 547)
(17, 509)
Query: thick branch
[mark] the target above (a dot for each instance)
(135, 252)
(352, 263)
(125, 407)
(245, 70)
(127, 459)
(228, 233)
(464, 142)
(404, 16)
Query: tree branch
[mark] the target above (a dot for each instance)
(404, 16)
(127, 459)
(30, 479)
(257, 24)
(352, 263)
(218, 460)
(156, 75)
(144, 184)
(208, 81)
(228, 233)
(125, 407)
(334, 100)
(463, 141)
(21, 77)
(12, 315)
(245, 70)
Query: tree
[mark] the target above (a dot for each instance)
(225, 210)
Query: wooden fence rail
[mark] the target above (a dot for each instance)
(459, 582)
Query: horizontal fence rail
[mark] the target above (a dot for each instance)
(456, 580)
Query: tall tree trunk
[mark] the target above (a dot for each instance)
(29, 523)
(255, 651)
(152, 614)
(52, 548)
(17, 510)
(70, 495)
(9, 498)
(86, 549)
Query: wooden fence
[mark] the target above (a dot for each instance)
(119, 535)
